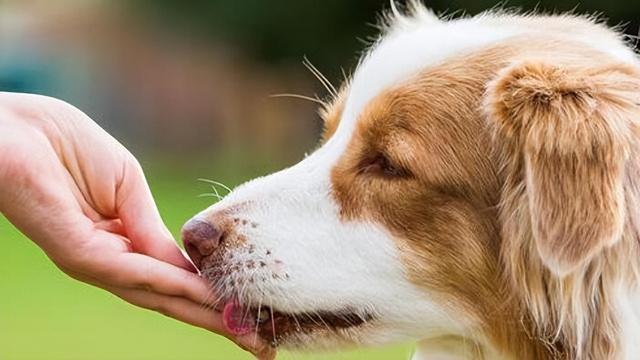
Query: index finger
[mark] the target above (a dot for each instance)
(142, 221)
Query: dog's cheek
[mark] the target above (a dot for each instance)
(449, 251)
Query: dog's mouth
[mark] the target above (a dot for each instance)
(274, 326)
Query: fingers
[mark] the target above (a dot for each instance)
(143, 223)
(188, 312)
(267, 353)
(176, 307)
(139, 271)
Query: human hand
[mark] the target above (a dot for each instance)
(82, 197)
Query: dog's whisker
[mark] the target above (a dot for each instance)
(295, 319)
(323, 79)
(217, 196)
(298, 96)
(215, 191)
(206, 302)
(345, 77)
(324, 322)
(258, 317)
(273, 326)
(216, 183)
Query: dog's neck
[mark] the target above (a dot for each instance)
(454, 347)
(512, 333)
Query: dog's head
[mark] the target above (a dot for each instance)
(447, 165)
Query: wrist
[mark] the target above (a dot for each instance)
(22, 139)
(48, 115)
(9, 133)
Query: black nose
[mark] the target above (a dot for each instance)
(200, 238)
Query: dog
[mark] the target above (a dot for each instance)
(477, 190)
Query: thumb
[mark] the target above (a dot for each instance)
(142, 222)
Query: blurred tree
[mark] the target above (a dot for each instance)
(328, 31)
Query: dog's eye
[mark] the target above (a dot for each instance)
(380, 165)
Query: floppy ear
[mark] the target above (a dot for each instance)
(566, 132)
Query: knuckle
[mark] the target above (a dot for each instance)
(143, 280)
(182, 291)
(188, 285)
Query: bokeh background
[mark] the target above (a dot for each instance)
(185, 85)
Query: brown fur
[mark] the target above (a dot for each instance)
(331, 113)
(566, 133)
(496, 179)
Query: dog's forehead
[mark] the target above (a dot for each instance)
(399, 55)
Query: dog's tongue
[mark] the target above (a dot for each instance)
(237, 320)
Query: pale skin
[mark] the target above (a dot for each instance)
(83, 198)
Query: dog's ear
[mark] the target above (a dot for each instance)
(565, 133)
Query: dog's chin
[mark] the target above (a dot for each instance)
(303, 330)
(248, 306)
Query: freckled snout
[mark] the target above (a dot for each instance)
(201, 238)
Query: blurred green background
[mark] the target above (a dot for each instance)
(45, 315)
(185, 85)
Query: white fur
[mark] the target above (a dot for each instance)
(334, 264)
(405, 51)
(629, 305)
(325, 258)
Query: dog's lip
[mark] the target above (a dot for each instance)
(274, 325)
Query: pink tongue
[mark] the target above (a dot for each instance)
(237, 320)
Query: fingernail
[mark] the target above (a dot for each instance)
(253, 342)
(188, 265)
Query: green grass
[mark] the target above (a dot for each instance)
(45, 315)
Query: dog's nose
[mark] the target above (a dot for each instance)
(200, 239)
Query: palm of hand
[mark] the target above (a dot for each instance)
(82, 197)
